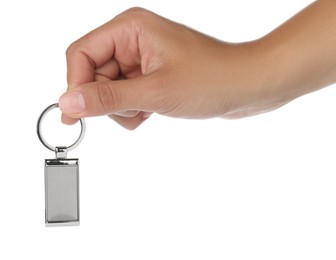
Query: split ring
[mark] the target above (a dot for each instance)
(44, 142)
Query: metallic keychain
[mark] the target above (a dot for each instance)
(61, 176)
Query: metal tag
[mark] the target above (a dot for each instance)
(61, 192)
(61, 176)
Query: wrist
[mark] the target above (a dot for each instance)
(251, 79)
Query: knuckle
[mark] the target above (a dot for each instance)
(136, 16)
(135, 11)
(108, 99)
(71, 49)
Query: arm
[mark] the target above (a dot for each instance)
(140, 63)
(296, 58)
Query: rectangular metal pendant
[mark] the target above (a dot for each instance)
(61, 192)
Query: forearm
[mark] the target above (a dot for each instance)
(302, 52)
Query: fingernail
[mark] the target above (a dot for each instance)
(72, 102)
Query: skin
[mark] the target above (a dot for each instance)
(140, 63)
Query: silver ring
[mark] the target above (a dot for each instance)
(43, 141)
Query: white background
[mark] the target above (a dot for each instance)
(257, 188)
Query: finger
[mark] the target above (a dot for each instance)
(98, 47)
(129, 113)
(86, 54)
(68, 120)
(110, 97)
(109, 70)
(130, 123)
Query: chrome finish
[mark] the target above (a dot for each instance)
(61, 152)
(44, 142)
(61, 192)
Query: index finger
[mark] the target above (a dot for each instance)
(88, 53)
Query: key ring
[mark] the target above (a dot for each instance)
(43, 141)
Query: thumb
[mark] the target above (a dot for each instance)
(109, 97)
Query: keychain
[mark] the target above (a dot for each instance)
(61, 177)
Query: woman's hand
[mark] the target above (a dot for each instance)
(139, 63)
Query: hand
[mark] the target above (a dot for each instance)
(139, 63)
